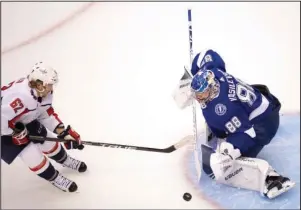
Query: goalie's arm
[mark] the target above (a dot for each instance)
(241, 133)
(207, 60)
(212, 131)
(244, 142)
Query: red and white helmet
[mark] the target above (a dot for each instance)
(44, 73)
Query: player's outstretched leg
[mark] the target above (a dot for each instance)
(40, 164)
(57, 152)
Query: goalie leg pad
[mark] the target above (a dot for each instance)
(246, 173)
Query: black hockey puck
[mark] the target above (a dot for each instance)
(187, 196)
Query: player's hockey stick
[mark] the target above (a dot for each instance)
(169, 149)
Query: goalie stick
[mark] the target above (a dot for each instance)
(188, 75)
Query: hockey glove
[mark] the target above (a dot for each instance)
(226, 148)
(20, 133)
(73, 136)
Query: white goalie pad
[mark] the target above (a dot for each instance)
(245, 173)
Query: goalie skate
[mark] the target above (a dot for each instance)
(278, 185)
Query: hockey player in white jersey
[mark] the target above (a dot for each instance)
(26, 109)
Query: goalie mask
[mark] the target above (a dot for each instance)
(204, 86)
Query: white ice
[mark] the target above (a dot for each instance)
(118, 64)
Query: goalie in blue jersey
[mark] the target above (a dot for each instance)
(241, 119)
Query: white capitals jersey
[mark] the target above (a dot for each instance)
(20, 104)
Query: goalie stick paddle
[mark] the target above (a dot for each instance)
(169, 149)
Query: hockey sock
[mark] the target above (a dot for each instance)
(57, 153)
(45, 170)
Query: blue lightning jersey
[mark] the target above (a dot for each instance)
(236, 107)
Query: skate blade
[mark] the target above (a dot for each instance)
(272, 195)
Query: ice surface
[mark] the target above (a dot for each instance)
(118, 64)
(283, 153)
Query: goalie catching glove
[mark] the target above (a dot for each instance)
(73, 136)
(182, 94)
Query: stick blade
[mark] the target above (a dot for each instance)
(184, 141)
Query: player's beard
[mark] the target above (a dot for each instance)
(40, 93)
(44, 91)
